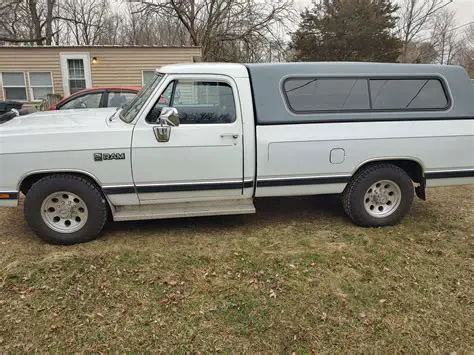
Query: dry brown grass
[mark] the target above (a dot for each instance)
(298, 276)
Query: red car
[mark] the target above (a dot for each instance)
(97, 98)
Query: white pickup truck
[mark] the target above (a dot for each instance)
(207, 139)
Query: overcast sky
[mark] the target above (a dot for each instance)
(464, 9)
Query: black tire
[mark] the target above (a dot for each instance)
(355, 193)
(80, 186)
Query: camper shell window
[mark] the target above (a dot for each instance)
(319, 94)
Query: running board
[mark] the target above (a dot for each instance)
(183, 209)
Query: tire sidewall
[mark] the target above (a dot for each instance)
(399, 177)
(94, 202)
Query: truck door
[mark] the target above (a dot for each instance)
(203, 158)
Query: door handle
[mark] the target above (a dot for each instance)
(230, 135)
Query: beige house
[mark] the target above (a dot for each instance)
(28, 74)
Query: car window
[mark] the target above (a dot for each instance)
(393, 94)
(313, 94)
(91, 100)
(120, 98)
(198, 102)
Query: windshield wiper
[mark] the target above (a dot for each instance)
(115, 113)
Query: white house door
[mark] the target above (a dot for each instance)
(76, 72)
(203, 159)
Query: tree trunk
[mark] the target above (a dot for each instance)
(35, 21)
(49, 22)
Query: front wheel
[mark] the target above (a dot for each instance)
(65, 209)
(377, 196)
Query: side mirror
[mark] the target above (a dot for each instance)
(170, 116)
(15, 111)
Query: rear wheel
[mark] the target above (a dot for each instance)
(65, 209)
(380, 195)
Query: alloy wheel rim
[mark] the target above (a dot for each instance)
(382, 198)
(64, 212)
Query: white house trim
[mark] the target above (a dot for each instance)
(64, 69)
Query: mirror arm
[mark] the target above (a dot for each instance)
(165, 121)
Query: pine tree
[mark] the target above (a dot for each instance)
(347, 30)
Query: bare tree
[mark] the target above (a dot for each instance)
(445, 38)
(224, 28)
(48, 23)
(465, 56)
(421, 52)
(85, 20)
(227, 30)
(12, 28)
(469, 35)
(35, 20)
(414, 17)
(41, 17)
(151, 28)
(27, 21)
(111, 35)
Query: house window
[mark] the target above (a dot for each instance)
(77, 76)
(41, 85)
(14, 86)
(75, 72)
(147, 76)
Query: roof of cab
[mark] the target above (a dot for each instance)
(230, 69)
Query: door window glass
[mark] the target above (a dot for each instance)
(198, 102)
(119, 98)
(85, 101)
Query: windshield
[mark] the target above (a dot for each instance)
(131, 110)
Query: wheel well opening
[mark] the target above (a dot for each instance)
(27, 182)
(30, 180)
(411, 167)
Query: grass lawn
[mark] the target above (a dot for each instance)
(295, 277)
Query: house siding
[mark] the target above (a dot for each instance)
(116, 66)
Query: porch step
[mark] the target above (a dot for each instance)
(183, 209)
